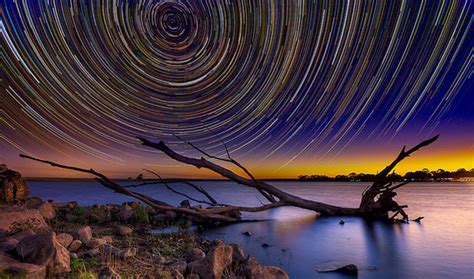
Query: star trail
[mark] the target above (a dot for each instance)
(277, 81)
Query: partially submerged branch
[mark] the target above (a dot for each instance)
(225, 213)
(377, 198)
(377, 201)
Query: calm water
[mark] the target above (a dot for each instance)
(441, 246)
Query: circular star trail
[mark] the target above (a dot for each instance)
(269, 78)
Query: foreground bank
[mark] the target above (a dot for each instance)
(41, 239)
(44, 239)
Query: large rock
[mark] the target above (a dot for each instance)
(44, 249)
(84, 234)
(124, 231)
(33, 200)
(12, 186)
(195, 254)
(75, 245)
(46, 209)
(252, 269)
(125, 213)
(215, 262)
(238, 256)
(18, 269)
(20, 235)
(64, 239)
(333, 266)
(8, 244)
(17, 220)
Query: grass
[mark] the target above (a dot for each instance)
(141, 215)
(81, 268)
(11, 276)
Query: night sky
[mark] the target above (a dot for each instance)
(292, 87)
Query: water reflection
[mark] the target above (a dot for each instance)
(442, 246)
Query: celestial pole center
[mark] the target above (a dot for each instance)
(276, 81)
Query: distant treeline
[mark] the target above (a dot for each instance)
(423, 175)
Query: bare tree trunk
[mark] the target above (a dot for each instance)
(377, 200)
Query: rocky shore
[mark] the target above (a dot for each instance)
(44, 239)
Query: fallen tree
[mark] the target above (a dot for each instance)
(377, 200)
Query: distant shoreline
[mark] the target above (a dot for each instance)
(52, 179)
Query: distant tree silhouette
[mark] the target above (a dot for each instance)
(423, 175)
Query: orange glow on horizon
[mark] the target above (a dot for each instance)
(370, 162)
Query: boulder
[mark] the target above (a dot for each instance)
(252, 269)
(238, 256)
(44, 249)
(215, 262)
(185, 204)
(124, 231)
(33, 201)
(12, 186)
(13, 221)
(125, 212)
(75, 245)
(46, 210)
(195, 254)
(8, 244)
(84, 234)
(333, 266)
(20, 235)
(100, 217)
(108, 273)
(18, 269)
(133, 204)
(64, 239)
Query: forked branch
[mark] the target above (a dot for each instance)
(377, 201)
(214, 213)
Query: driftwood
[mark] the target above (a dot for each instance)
(376, 202)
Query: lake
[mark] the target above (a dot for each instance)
(441, 246)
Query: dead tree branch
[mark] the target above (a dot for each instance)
(377, 201)
(214, 213)
(370, 206)
(174, 181)
(211, 201)
(231, 160)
